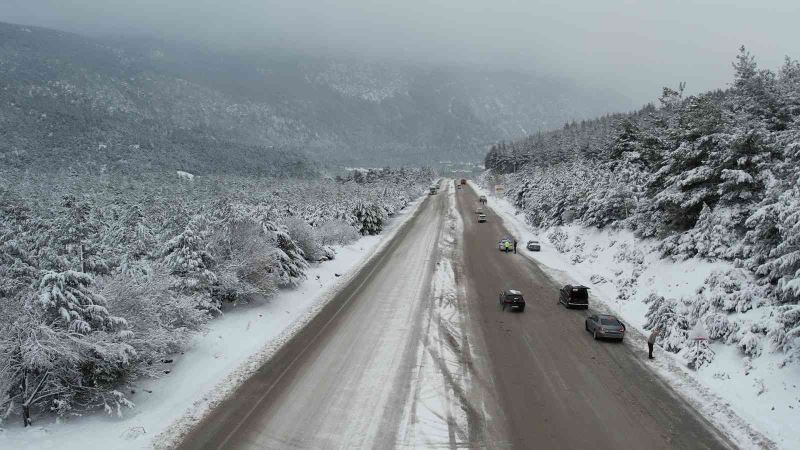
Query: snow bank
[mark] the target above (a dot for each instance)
(219, 360)
(754, 401)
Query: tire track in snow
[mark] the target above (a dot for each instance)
(441, 411)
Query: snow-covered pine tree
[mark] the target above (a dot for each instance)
(369, 218)
(667, 315)
(289, 262)
(70, 302)
(78, 231)
(188, 259)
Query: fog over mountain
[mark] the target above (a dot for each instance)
(629, 46)
(146, 102)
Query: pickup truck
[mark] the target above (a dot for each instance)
(512, 299)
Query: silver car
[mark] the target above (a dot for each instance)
(605, 326)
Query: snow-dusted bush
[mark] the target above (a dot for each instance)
(160, 321)
(750, 343)
(336, 232)
(697, 354)
(719, 327)
(558, 239)
(305, 236)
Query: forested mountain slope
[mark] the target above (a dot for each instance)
(133, 103)
(712, 176)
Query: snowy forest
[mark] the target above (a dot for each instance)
(103, 277)
(713, 176)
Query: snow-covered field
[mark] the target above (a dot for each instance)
(223, 357)
(755, 401)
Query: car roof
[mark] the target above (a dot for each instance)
(569, 286)
(513, 292)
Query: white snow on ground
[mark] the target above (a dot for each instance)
(233, 347)
(433, 416)
(757, 403)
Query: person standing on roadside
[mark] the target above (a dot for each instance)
(651, 341)
(515, 246)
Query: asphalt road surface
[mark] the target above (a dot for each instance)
(518, 380)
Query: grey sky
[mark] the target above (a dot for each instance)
(633, 47)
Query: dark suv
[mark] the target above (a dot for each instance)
(513, 299)
(574, 296)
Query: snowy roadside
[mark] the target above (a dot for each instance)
(233, 347)
(756, 402)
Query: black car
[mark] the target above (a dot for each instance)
(605, 326)
(513, 299)
(534, 246)
(574, 296)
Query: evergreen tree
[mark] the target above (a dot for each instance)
(70, 302)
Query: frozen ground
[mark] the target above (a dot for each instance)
(756, 402)
(232, 348)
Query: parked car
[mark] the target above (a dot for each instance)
(506, 248)
(512, 299)
(574, 296)
(482, 199)
(481, 217)
(605, 326)
(533, 246)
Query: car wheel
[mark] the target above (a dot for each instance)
(522, 308)
(595, 334)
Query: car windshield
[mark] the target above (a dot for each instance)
(514, 297)
(609, 321)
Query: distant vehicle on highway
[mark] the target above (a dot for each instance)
(433, 190)
(506, 245)
(512, 299)
(478, 209)
(533, 246)
(463, 181)
(481, 217)
(574, 296)
(605, 326)
(482, 199)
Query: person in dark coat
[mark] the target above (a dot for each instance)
(651, 341)
(515, 246)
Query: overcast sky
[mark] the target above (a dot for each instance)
(632, 47)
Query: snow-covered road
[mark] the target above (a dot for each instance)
(343, 381)
(414, 353)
